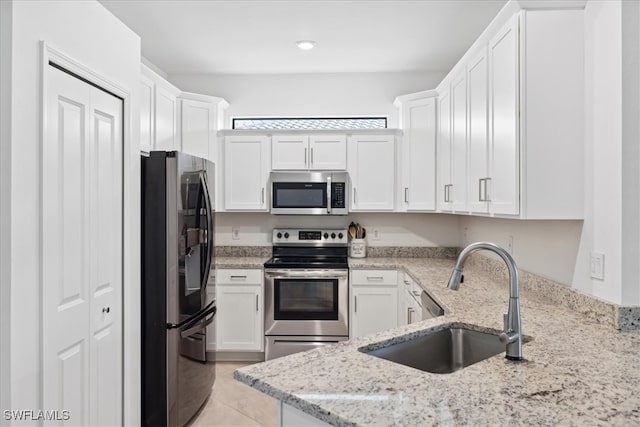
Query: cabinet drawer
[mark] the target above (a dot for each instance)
(374, 277)
(239, 277)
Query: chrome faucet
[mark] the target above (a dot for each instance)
(512, 335)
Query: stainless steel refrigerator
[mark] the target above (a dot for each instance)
(177, 258)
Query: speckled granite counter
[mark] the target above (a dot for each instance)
(576, 372)
(240, 262)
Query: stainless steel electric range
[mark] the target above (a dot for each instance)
(306, 290)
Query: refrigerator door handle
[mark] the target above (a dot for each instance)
(208, 232)
(189, 322)
(198, 324)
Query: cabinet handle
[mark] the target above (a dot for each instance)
(409, 310)
(355, 303)
(406, 282)
(106, 309)
(447, 193)
(406, 196)
(305, 157)
(377, 278)
(257, 304)
(355, 200)
(487, 197)
(480, 182)
(415, 293)
(238, 277)
(262, 195)
(311, 156)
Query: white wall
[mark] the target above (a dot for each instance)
(310, 95)
(5, 195)
(89, 34)
(548, 248)
(561, 250)
(395, 229)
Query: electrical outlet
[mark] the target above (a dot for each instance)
(235, 233)
(376, 234)
(597, 265)
(510, 245)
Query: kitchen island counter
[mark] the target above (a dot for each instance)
(576, 371)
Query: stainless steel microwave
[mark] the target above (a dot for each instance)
(309, 193)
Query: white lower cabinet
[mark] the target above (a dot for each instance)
(374, 301)
(239, 320)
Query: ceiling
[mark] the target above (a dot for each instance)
(254, 37)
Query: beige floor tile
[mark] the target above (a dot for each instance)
(217, 414)
(231, 400)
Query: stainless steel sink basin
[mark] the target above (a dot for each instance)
(444, 351)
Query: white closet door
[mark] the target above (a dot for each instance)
(82, 252)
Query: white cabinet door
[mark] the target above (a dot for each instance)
(165, 119)
(198, 128)
(443, 201)
(289, 152)
(328, 152)
(478, 172)
(239, 318)
(418, 155)
(503, 76)
(373, 309)
(246, 172)
(458, 192)
(372, 171)
(146, 114)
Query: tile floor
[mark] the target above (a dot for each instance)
(233, 404)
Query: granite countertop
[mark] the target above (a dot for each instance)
(240, 262)
(576, 371)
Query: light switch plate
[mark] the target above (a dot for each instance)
(597, 265)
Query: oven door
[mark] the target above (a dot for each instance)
(306, 302)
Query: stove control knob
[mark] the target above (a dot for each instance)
(279, 235)
(286, 235)
(340, 235)
(333, 235)
(326, 235)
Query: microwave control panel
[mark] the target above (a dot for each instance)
(337, 195)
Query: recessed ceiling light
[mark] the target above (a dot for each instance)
(306, 44)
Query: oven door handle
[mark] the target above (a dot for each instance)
(324, 274)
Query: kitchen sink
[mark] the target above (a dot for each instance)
(443, 351)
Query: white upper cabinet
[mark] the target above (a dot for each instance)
(371, 166)
(198, 129)
(201, 117)
(516, 118)
(166, 119)
(478, 149)
(246, 172)
(175, 120)
(146, 114)
(290, 152)
(418, 151)
(443, 159)
(458, 190)
(309, 152)
(328, 152)
(503, 59)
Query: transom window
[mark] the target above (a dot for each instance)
(311, 123)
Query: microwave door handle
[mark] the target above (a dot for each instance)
(329, 195)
